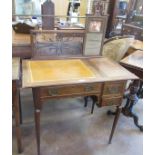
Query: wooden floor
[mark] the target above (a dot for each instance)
(67, 128)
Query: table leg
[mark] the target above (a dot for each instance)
(37, 110)
(20, 108)
(16, 110)
(86, 101)
(94, 100)
(140, 91)
(118, 111)
(132, 99)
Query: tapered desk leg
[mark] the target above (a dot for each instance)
(118, 111)
(16, 110)
(37, 126)
(94, 100)
(20, 107)
(37, 110)
(85, 101)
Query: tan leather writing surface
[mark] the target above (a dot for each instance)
(58, 70)
(38, 73)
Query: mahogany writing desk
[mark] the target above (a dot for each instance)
(16, 99)
(99, 77)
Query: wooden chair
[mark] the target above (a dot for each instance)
(116, 47)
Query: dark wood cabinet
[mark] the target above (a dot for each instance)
(131, 29)
(118, 14)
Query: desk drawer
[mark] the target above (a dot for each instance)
(114, 88)
(111, 101)
(70, 90)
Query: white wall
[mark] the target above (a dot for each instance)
(34, 6)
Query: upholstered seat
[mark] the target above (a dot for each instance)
(116, 47)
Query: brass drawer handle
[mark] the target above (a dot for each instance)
(112, 90)
(89, 88)
(111, 103)
(53, 92)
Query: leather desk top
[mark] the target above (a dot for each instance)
(58, 70)
(72, 71)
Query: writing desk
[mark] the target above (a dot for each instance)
(98, 77)
(15, 99)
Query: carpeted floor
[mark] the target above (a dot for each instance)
(67, 128)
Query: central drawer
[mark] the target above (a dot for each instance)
(70, 90)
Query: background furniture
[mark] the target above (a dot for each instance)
(131, 29)
(48, 8)
(115, 48)
(134, 46)
(21, 45)
(134, 63)
(120, 12)
(76, 40)
(16, 100)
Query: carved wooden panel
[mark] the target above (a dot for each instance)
(57, 43)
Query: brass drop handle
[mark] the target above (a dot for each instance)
(111, 103)
(53, 92)
(113, 90)
(88, 88)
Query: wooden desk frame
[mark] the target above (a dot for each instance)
(38, 107)
(104, 88)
